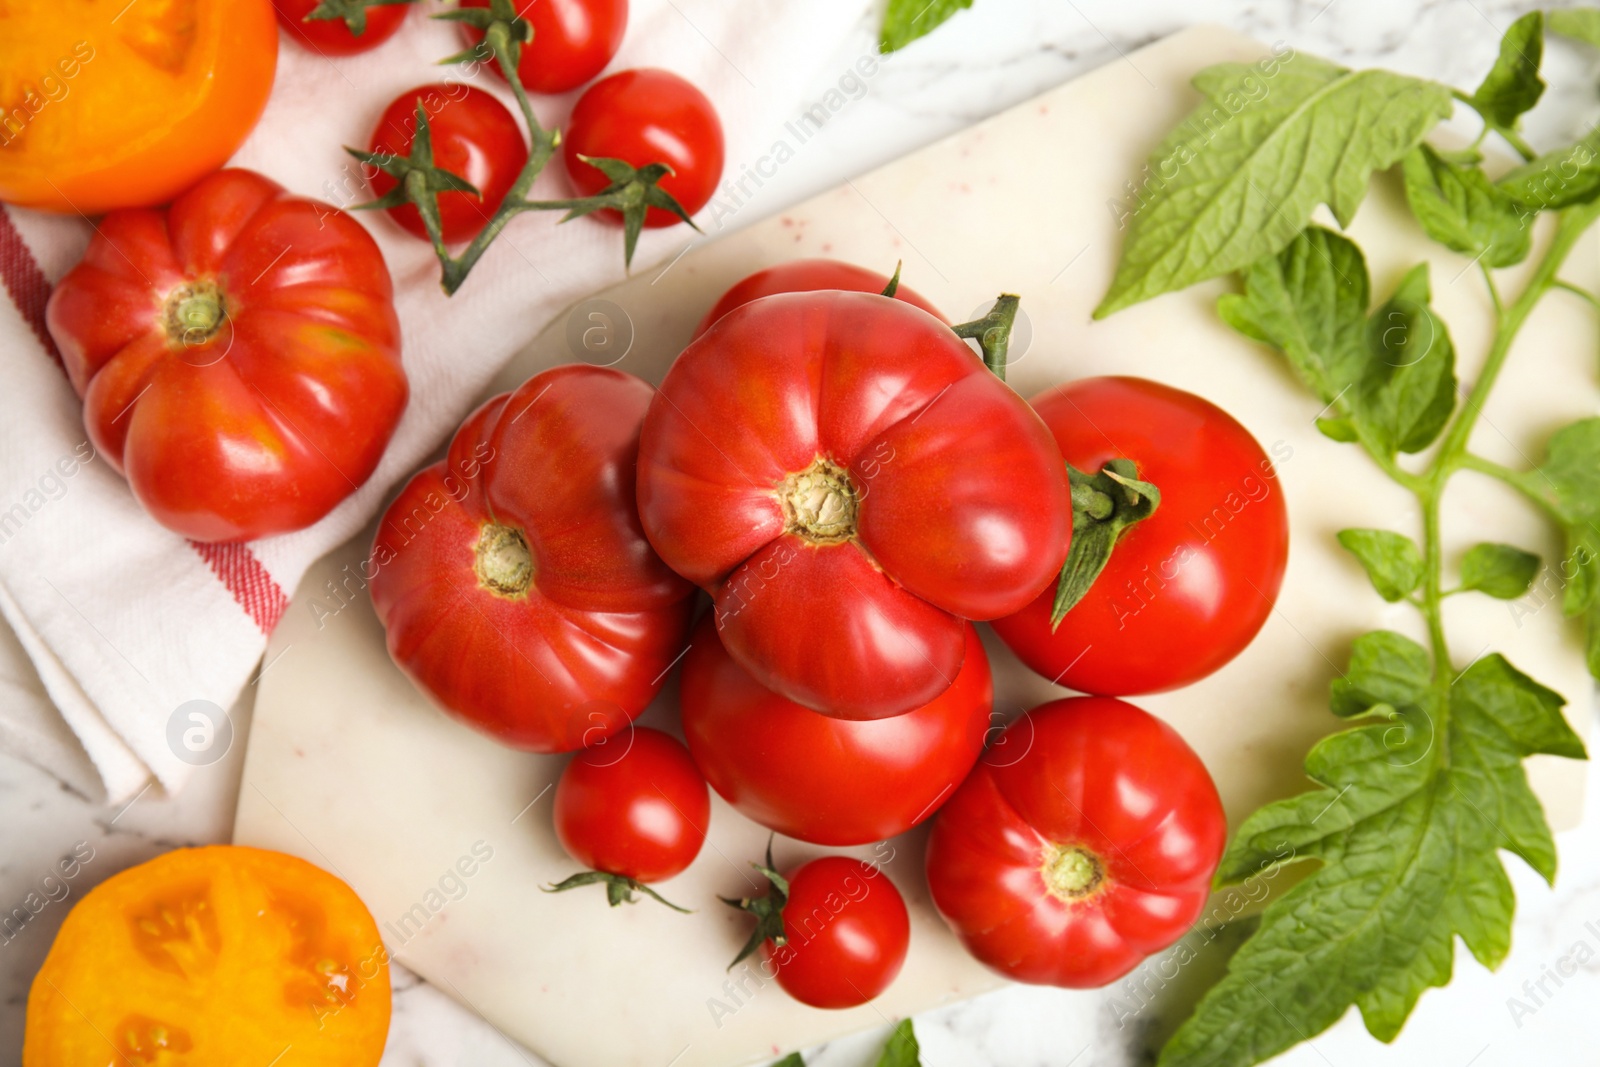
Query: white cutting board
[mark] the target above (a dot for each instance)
(351, 769)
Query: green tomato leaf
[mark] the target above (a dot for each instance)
(1502, 571)
(902, 1049)
(1393, 562)
(1310, 303)
(1239, 178)
(1458, 206)
(1557, 179)
(1406, 829)
(1407, 391)
(1387, 671)
(1570, 478)
(1578, 23)
(1513, 85)
(906, 20)
(791, 1060)
(1387, 380)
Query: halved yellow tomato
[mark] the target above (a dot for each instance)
(221, 955)
(111, 103)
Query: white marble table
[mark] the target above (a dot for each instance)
(1002, 52)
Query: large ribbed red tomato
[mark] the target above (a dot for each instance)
(806, 276)
(512, 576)
(850, 483)
(1187, 588)
(1082, 843)
(822, 779)
(237, 353)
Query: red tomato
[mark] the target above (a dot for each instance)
(512, 577)
(643, 117)
(333, 37)
(573, 40)
(634, 806)
(825, 780)
(806, 276)
(474, 137)
(1083, 842)
(238, 356)
(850, 483)
(838, 937)
(1187, 588)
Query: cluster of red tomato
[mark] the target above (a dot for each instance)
(851, 487)
(238, 351)
(639, 116)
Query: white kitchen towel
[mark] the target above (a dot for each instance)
(124, 621)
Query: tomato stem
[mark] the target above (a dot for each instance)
(353, 13)
(768, 910)
(620, 889)
(1105, 505)
(993, 332)
(1071, 872)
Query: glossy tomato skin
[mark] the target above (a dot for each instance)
(559, 641)
(474, 137)
(1186, 589)
(266, 422)
(942, 496)
(573, 40)
(847, 930)
(641, 117)
(1085, 776)
(822, 779)
(634, 805)
(332, 37)
(805, 276)
(157, 102)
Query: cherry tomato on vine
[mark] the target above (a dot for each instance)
(573, 40)
(128, 107)
(805, 276)
(849, 483)
(642, 117)
(834, 931)
(238, 355)
(1084, 841)
(1187, 588)
(474, 137)
(634, 809)
(334, 37)
(821, 779)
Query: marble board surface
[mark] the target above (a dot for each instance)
(349, 767)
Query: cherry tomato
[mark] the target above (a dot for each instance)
(642, 117)
(1084, 841)
(821, 779)
(512, 577)
(474, 137)
(634, 806)
(238, 356)
(573, 40)
(837, 938)
(333, 37)
(126, 106)
(840, 465)
(1187, 588)
(805, 276)
(213, 955)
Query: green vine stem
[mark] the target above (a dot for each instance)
(1429, 486)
